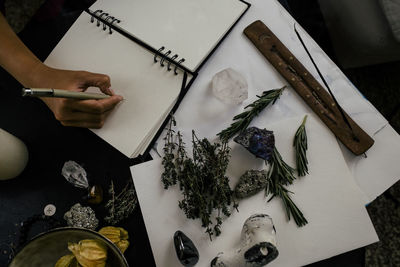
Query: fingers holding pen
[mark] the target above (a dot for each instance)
(86, 113)
(93, 106)
(101, 81)
(90, 113)
(85, 120)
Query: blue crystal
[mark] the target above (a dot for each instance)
(259, 142)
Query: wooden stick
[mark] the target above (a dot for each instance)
(317, 98)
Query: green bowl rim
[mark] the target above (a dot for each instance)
(58, 229)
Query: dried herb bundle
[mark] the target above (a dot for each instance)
(122, 205)
(300, 146)
(243, 119)
(202, 180)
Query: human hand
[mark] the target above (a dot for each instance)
(79, 113)
(23, 65)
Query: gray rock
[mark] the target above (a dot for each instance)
(250, 183)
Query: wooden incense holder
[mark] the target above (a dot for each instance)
(354, 138)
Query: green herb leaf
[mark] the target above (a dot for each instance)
(277, 189)
(243, 119)
(300, 145)
(279, 175)
(280, 169)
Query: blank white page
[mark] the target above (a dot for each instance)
(148, 90)
(328, 196)
(189, 28)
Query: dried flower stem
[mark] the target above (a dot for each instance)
(122, 205)
(202, 180)
(110, 205)
(169, 176)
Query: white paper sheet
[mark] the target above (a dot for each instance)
(189, 28)
(328, 196)
(200, 110)
(376, 173)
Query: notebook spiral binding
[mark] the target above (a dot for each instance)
(100, 14)
(102, 17)
(165, 55)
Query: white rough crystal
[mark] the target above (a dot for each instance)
(75, 174)
(257, 247)
(230, 86)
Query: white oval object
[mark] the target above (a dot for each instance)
(49, 210)
(13, 156)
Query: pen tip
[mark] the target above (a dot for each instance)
(25, 91)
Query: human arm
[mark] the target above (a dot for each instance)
(24, 66)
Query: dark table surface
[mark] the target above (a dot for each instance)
(50, 145)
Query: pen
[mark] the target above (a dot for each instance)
(47, 92)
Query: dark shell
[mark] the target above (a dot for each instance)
(186, 251)
(250, 183)
(261, 254)
(259, 142)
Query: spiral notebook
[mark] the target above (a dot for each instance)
(152, 51)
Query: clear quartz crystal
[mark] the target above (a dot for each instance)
(75, 174)
(229, 86)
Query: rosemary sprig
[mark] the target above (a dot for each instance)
(277, 189)
(280, 169)
(279, 175)
(243, 119)
(300, 145)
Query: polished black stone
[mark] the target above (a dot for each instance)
(186, 251)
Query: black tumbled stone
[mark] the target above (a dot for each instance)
(186, 251)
